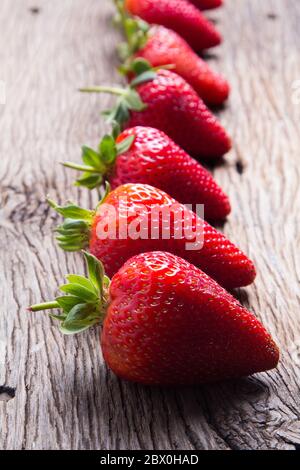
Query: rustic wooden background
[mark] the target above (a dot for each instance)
(55, 392)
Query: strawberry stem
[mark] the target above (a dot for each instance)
(44, 306)
(128, 99)
(104, 89)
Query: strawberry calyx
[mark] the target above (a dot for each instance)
(84, 300)
(136, 33)
(98, 164)
(135, 30)
(128, 97)
(74, 232)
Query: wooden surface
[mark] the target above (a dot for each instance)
(56, 392)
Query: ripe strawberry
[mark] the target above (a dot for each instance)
(165, 322)
(165, 101)
(147, 155)
(135, 218)
(207, 4)
(167, 47)
(161, 46)
(179, 15)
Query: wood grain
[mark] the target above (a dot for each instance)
(56, 392)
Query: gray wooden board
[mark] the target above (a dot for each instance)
(62, 396)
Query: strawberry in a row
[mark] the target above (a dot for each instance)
(164, 322)
(168, 226)
(146, 155)
(164, 100)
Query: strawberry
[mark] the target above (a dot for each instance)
(161, 46)
(167, 47)
(207, 4)
(135, 218)
(165, 322)
(164, 100)
(179, 15)
(147, 155)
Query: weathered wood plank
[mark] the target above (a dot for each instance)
(64, 396)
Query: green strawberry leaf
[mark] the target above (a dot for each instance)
(67, 302)
(133, 101)
(71, 211)
(140, 65)
(71, 226)
(83, 281)
(60, 318)
(90, 180)
(90, 157)
(108, 149)
(78, 290)
(95, 271)
(147, 76)
(70, 239)
(78, 319)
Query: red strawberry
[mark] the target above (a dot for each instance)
(167, 102)
(179, 15)
(175, 108)
(167, 47)
(207, 4)
(136, 218)
(147, 155)
(161, 46)
(165, 322)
